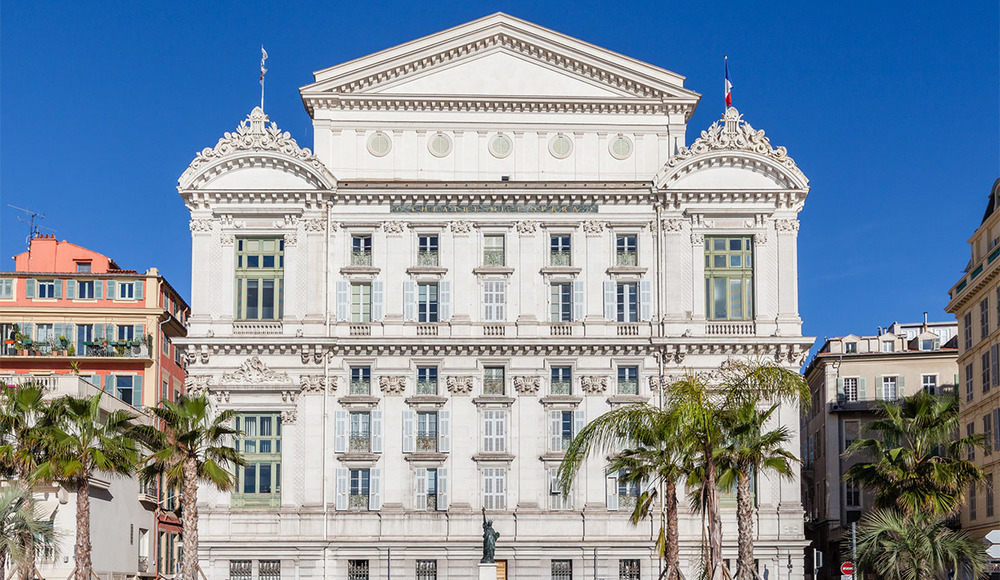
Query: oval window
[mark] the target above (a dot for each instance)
(379, 144)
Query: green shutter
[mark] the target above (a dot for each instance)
(58, 285)
(111, 290)
(109, 332)
(109, 384)
(901, 387)
(955, 384)
(137, 391)
(98, 333)
(140, 286)
(27, 329)
(878, 387)
(29, 288)
(70, 289)
(840, 388)
(57, 331)
(862, 389)
(99, 289)
(140, 331)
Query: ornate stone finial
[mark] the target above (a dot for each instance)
(527, 385)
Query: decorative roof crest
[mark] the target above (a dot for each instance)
(732, 133)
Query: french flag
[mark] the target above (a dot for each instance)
(729, 86)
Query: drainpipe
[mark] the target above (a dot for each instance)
(326, 395)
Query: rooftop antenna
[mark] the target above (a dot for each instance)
(32, 226)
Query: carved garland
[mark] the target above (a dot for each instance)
(594, 385)
(392, 384)
(527, 385)
(459, 385)
(253, 370)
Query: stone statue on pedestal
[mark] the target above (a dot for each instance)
(489, 540)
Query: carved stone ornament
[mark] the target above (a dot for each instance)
(333, 228)
(312, 383)
(392, 384)
(289, 416)
(253, 370)
(760, 239)
(733, 134)
(314, 225)
(594, 385)
(221, 396)
(459, 385)
(200, 225)
(291, 239)
(786, 225)
(461, 227)
(655, 383)
(697, 239)
(227, 239)
(254, 134)
(673, 225)
(394, 228)
(289, 396)
(287, 221)
(527, 228)
(315, 356)
(195, 385)
(527, 385)
(593, 227)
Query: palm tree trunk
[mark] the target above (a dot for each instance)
(81, 550)
(673, 549)
(744, 519)
(714, 517)
(189, 521)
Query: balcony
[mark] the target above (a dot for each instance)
(427, 259)
(628, 387)
(360, 443)
(358, 502)
(493, 386)
(427, 443)
(427, 387)
(628, 330)
(853, 406)
(494, 330)
(427, 330)
(124, 349)
(361, 258)
(742, 328)
(561, 387)
(561, 330)
(55, 386)
(360, 387)
(361, 330)
(257, 328)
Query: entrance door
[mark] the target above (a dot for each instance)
(501, 569)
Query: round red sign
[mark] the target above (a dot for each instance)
(847, 568)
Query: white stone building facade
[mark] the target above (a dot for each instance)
(500, 236)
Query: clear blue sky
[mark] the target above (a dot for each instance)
(890, 108)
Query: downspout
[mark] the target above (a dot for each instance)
(326, 393)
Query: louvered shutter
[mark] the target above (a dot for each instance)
(645, 300)
(343, 300)
(57, 331)
(878, 388)
(137, 391)
(442, 488)
(444, 431)
(579, 301)
(579, 420)
(111, 290)
(840, 389)
(611, 485)
(376, 431)
(99, 289)
(29, 288)
(375, 489)
(555, 430)
(610, 305)
(996, 429)
(70, 289)
(109, 384)
(140, 287)
(408, 437)
(900, 387)
(420, 499)
(343, 486)
(58, 284)
(340, 432)
(862, 389)
(139, 332)
(445, 298)
(378, 300)
(409, 301)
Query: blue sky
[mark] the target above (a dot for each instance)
(890, 108)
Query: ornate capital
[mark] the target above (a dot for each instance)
(459, 385)
(527, 385)
(291, 239)
(312, 383)
(254, 371)
(314, 225)
(289, 416)
(673, 225)
(760, 239)
(227, 239)
(594, 385)
(195, 385)
(786, 226)
(697, 239)
(392, 384)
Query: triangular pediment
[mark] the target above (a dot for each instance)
(499, 56)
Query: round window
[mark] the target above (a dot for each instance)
(501, 146)
(620, 147)
(560, 146)
(439, 145)
(379, 144)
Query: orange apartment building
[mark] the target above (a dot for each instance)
(67, 310)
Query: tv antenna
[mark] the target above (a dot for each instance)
(32, 226)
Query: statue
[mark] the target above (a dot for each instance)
(489, 540)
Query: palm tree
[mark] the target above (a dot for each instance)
(81, 441)
(920, 546)
(192, 445)
(21, 408)
(650, 455)
(752, 451)
(22, 529)
(915, 462)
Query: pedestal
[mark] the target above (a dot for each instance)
(488, 571)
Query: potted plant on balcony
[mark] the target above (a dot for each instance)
(71, 351)
(64, 344)
(21, 343)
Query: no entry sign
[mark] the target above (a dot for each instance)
(847, 568)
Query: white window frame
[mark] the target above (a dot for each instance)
(494, 488)
(494, 300)
(6, 288)
(889, 382)
(851, 385)
(125, 290)
(494, 435)
(933, 383)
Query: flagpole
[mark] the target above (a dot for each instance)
(263, 57)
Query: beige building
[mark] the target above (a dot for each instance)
(848, 377)
(975, 301)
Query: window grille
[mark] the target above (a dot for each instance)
(628, 569)
(240, 570)
(562, 570)
(357, 570)
(269, 570)
(426, 569)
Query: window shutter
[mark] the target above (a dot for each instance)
(137, 391)
(408, 440)
(376, 431)
(343, 300)
(483, 301)
(579, 301)
(27, 329)
(29, 288)
(374, 489)
(340, 433)
(109, 384)
(611, 483)
(442, 490)
(111, 290)
(98, 333)
(444, 431)
(609, 300)
(579, 420)
(139, 331)
(99, 289)
(900, 386)
(57, 331)
(445, 298)
(58, 287)
(140, 286)
(342, 487)
(420, 501)
(555, 430)
(409, 301)
(500, 308)
(840, 387)
(70, 289)
(378, 300)
(484, 426)
(70, 331)
(878, 387)
(862, 389)
(996, 428)
(645, 300)
(109, 331)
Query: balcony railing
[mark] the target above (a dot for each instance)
(257, 328)
(494, 330)
(432, 501)
(427, 258)
(427, 387)
(494, 258)
(561, 330)
(628, 330)
(358, 502)
(626, 259)
(731, 328)
(626, 501)
(561, 387)
(124, 349)
(427, 443)
(628, 387)
(559, 258)
(427, 330)
(360, 443)
(360, 387)
(361, 258)
(493, 386)
(361, 330)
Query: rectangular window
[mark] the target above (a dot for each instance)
(986, 371)
(495, 488)
(123, 388)
(360, 489)
(427, 302)
(852, 494)
(559, 250)
(970, 430)
(987, 435)
(361, 432)
(259, 481)
(984, 318)
(562, 569)
(628, 302)
(85, 290)
(628, 491)
(126, 333)
(851, 430)
(494, 301)
(427, 431)
(561, 430)
(241, 570)
(361, 302)
(851, 389)
(260, 265)
(929, 384)
(126, 290)
(494, 431)
(628, 380)
(357, 570)
(851, 347)
(432, 489)
(628, 570)
(729, 278)
(494, 381)
(6, 288)
(557, 499)
(361, 380)
(427, 380)
(46, 289)
(969, 383)
(561, 303)
(269, 570)
(427, 250)
(562, 380)
(626, 250)
(361, 250)
(427, 570)
(83, 267)
(890, 390)
(493, 251)
(967, 322)
(44, 333)
(888, 346)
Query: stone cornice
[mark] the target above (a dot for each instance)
(790, 199)
(496, 104)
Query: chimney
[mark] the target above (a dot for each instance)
(924, 329)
